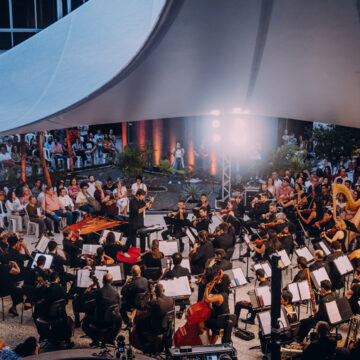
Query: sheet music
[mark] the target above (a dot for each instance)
(239, 277)
(293, 288)
(264, 292)
(267, 268)
(115, 271)
(285, 258)
(319, 275)
(176, 287)
(283, 320)
(190, 236)
(304, 290)
(168, 247)
(185, 263)
(42, 245)
(324, 248)
(305, 252)
(48, 261)
(83, 279)
(90, 249)
(333, 312)
(343, 265)
(265, 322)
(118, 236)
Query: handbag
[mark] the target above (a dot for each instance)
(93, 202)
(244, 334)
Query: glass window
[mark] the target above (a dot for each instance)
(64, 7)
(4, 14)
(76, 3)
(46, 11)
(21, 36)
(5, 41)
(23, 14)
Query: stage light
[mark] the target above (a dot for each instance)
(246, 111)
(215, 123)
(215, 112)
(216, 138)
(237, 110)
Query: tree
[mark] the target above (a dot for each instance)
(132, 161)
(335, 143)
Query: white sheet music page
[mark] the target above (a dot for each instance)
(265, 322)
(48, 260)
(305, 252)
(333, 312)
(176, 287)
(42, 244)
(324, 248)
(304, 290)
(113, 270)
(320, 275)
(104, 234)
(293, 288)
(90, 249)
(239, 276)
(267, 268)
(264, 292)
(285, 258)
(190, 236)
(168, 247)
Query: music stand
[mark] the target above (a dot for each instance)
(118, 235)
(116, 270)
(42, 244)
(90, 249)
(338, 311)
(343, 265)
(176, 287)
(285, 260)
(247, 241)
(35, 255)
(169, 247)
(321, 245)
(264, 319)
(265, 266)
(83, 279)
(317, 276)
(304, 252)
(237, 279)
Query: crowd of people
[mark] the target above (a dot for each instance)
(285, 212)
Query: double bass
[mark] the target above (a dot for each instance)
(189, 334)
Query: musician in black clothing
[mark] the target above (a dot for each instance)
(204, 203)
(137, 207)
(112, 246)
(58, 264)
(14, 251)
(177, 271)
(3, 241)
(133, 292)
(260, 275)
(219, 262)
(323, 347)
(201, 222)
(338, 281)
(240, 204)
(104, 298)
(325, 197)
(224, 240)
(175, 230)
(303, 269)
(72, 249)
(320, 262)
(202, 251)
(353, 293)
(326, 296)
(7, 286)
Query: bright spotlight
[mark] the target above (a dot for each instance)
(216, 138)
(215, 124)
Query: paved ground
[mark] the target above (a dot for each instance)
(14, 332)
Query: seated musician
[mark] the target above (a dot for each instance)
(178, 270)
(72, 248)
(341, 235)
(112, 246)
(319, 262)
(202, 221)
(285, 237)
(303, 269)
(259, 207)
(285, 190)
(150, 326)
(17, 251)
(267, 248)
(176, 231)
(101, 258)
(326, 296)
(8, 269)
(202, 251)
(224, 240)
(260, 276)
(204, 203)
(58, 264)
(104, 297)
(325, 197)
(353, 293)
(219, 262)
(133, 292)
(240, 204)
(152, 259)
(286, 302)
(323, 347)
(218, 297)
(326, 223)
(338, 281)
(316, 215)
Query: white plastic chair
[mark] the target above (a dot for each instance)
(30, 224)
(29, 137)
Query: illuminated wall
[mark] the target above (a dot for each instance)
(157, 140)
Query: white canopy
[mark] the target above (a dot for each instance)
(121, 60)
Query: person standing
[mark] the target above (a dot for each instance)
(137, 207)
(178, 164)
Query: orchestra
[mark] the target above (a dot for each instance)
(286, 220)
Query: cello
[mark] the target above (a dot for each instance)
(189, 334)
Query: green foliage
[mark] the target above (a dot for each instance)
(166, 168)
(335, 143)
(291, 157)
(191, 191)
(132, 161)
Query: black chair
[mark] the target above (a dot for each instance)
(107, 331)
(228, 321)
(3, 294)
(229, 253)
(153, 273)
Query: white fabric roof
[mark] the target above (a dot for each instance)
(120, 60)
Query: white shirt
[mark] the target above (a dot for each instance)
(122, 191)
(15, 205)
(91, 188)
(66, 201)
(5, 156)
(178, 153)
(135, 187)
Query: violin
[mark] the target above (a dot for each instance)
(225, 211)
(257, 242)
(271, 224)
(331, 231)
(189, 334)
(306, 211)
(283, 235)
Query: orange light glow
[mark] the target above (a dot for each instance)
(140, 127)
(123, 135)
(213, 164)
(172, 142)
(157, 140)
(191, 152)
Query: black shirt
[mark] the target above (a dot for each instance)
(320, 349)
(224, 241)
(177, 271)
(112, 250)
(136, 220)
(202, 225)
(301, 276)
(203, 253)
(150, 261)
(337, 280)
